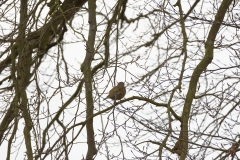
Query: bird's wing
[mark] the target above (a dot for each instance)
(113, 90)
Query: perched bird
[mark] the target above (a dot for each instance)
(117, 92)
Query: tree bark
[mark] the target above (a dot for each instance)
(86, 69)
(201, 67)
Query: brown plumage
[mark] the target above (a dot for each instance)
(117, 92)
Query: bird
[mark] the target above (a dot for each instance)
(117, 92)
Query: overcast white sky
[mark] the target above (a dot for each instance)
(74, 54)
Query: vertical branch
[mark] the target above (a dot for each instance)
(178, 146)
(23, 77)
(201, 67)
(86, 69)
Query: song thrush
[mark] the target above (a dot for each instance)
(117, 92)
